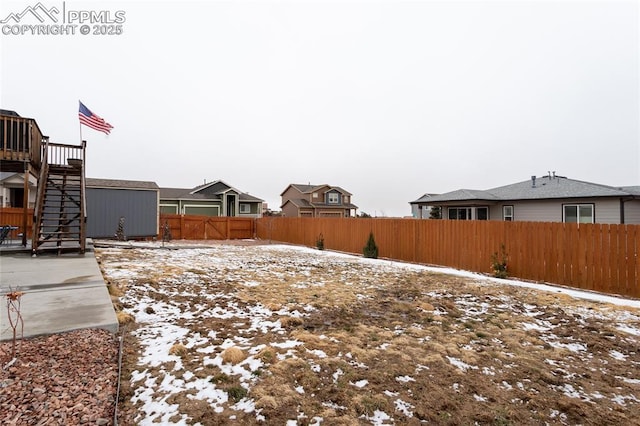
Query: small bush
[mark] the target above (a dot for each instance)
(124, 318)
(290, 322)
(178, 349)
(236, 393)
(320, 242)
(233, 355)
(267, 355)
(371, 249)
(499, 263)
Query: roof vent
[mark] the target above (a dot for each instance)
(533, 181)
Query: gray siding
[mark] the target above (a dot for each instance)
(106, 206)
(606, 210)
(632, 212)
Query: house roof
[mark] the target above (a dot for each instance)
(333, 206)
(308, 188)
(219, 188)
(302, 203)
(246, 197)
(6, 175)
(424, 198)
(180, 194)
(543, 188)
(120, 184)
(635, 190)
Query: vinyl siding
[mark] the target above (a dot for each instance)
(606, 210)
(632, 212)
(202, 210)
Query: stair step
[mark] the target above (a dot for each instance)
(60, 209)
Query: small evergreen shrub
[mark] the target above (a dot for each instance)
(499, 263)
(371, 249)
(320, 242)
(236, 393)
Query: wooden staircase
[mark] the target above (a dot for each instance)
(60, 219)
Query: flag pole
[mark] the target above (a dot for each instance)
(80, 123)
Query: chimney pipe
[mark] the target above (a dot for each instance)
(533, 181)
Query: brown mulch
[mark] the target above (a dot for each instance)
(60, 379)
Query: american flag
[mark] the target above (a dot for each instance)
(89, 119)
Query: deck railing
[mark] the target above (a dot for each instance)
(20, 140)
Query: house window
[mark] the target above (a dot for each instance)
(482, 213)
(333, 198)
(468, 213)
(578, 213)
(315, 195)
(245, 208)
(460, 213)
(507, 213)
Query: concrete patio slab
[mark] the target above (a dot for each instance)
(61, 293)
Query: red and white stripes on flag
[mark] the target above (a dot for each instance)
(90, 119)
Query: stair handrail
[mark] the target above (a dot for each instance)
(42, 182)
(83, 196)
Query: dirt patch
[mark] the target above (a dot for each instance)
(334, 339)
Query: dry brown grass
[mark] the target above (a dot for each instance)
(381, 328)
(290, 322)
(115, 290)
(178, 349)
(124, 318)
(233, 355)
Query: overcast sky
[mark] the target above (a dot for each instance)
(387, 99)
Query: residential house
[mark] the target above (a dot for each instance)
(422, 210)
(210, 199)
(300, 200)
(12, 191)
(550, 198)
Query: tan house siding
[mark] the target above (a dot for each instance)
(289, 210)
(290, 193)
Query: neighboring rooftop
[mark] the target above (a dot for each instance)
(536, 188)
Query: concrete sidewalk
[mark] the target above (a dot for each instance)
(61, 293)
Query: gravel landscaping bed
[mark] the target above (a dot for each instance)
(60, 379)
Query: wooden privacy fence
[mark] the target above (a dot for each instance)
(13, 216)
(192, 227)
(599, 257)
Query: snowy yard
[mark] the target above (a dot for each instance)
(275, 334)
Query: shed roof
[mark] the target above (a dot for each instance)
(121, 184)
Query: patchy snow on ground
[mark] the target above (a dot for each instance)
(304, 316)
